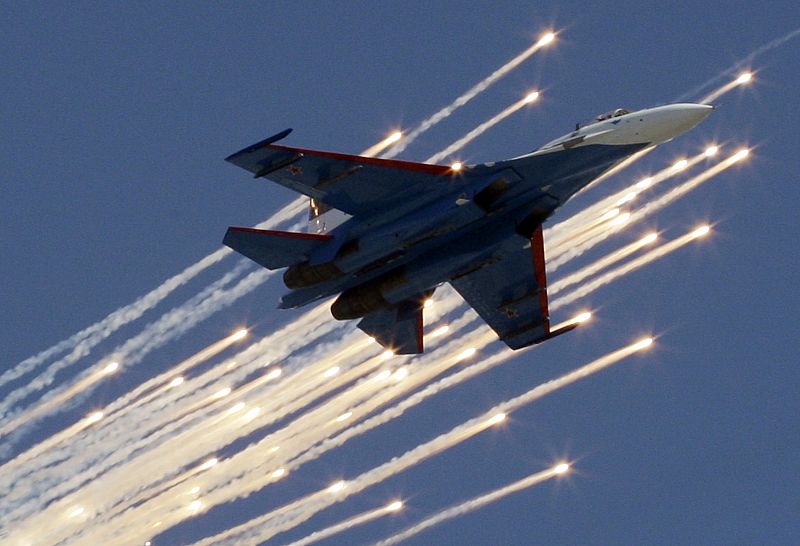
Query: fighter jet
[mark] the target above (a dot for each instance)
(384, 234)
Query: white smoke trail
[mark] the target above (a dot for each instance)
(482, 128)
(471, 505)
(470, 94)
(744, 61)
(167, 455)
(264, 527)
(115, 439)
(602, 263)
(349, 523)
(649, 208)
(624, 269)
(560, 234)
(170, 326)
(82, 342)
(262, 460)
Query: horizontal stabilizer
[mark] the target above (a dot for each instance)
(398, 328)
(273, 249)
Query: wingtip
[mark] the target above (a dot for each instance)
(266, 142)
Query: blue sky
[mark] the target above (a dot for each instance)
(116, 122)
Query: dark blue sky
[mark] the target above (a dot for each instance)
(116, 120)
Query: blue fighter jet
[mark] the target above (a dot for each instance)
(386, 233)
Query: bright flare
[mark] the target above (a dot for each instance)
(111, 368)
(274, 374)
(394, 506)
(178, 381)
(239, 335)
(195, 506)
(428, 303)
(649, 238)
(212, 462)
(401, 373)
(621, 219)
(642, 344)
(344, 417)
(644, 183)
(387, 354)
(711, 151)
(280, 473)
(222, 393)
(701, 231)
(546, 39)
(457, 166)
(613, 213)
(583, 317)
(680, 165)
(394, 137)
(561, 468)
(330, 372)
(94, 417)
(466, 353)
(442, 330)
(745, 77)
(495, 419)
(630, 196)
(336, 487)
(75, 512)
(531, 97)
(741, 154)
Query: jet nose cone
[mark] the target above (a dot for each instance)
(675, 119)
(689, 115)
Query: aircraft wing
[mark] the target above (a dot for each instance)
(354, 184)
(510, 293)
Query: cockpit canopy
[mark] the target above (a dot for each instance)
(613, 114)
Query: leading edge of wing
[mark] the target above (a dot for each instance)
(438, 170)
(388, 163)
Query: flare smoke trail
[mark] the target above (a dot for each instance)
(154, 422)
(602, 263)
(651, 207)
(134, 401)
(482, 128)
(727, 88)
(264, 527)
(472, 505)
(560, 234)
(47, 377)
(82, 342)
(166, 456)
(168, 327)
(480, 87)
(624, 269)
(348, 524)
(743, 62)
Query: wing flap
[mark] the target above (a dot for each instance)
(510, 292)
(273, 249)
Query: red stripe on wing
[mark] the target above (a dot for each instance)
(390, 163)
(537, 250)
